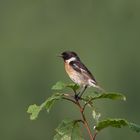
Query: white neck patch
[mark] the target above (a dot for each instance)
(71, 59)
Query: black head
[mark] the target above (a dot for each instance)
(68, 54)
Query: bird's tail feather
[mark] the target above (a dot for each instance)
(99, 88)
(94, 84)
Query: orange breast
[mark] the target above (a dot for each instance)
(74, 75)
(68, 69)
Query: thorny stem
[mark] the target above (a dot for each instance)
(82, 108)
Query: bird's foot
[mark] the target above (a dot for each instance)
(77, 97)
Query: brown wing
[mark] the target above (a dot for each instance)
(81, 68)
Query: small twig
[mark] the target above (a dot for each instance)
(68, 95)
(89, 102)
(95, 134)
(69, 99)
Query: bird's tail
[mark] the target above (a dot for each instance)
(99, 88)
(94, 84)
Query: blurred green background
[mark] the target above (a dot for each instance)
(106, 35)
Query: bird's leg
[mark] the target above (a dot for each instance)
(79, 95)
(76, 95)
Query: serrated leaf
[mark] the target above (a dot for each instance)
(51, 100)
(68, 130)
(112, 96)
(34, 110)
(59, 137)
(59, 86)
(117, 123)
(76, 133)
(64, 127)
(73, 86)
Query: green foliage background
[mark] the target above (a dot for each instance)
(32, 33)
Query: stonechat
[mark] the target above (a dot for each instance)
(78, 72)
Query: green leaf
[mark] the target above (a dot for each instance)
(73, 86)
(59, 137)
(34, 110)
(76, 133)
(64, 127)
(59, 86)
(68, 130)
(112, 96)
(51, 100)
(118, 123)
(134, 127)
(96, 115)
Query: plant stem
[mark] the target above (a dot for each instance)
(89, 102)
(69, 99)
(95, 135)
(85, 121)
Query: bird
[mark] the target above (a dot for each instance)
(78, 72)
